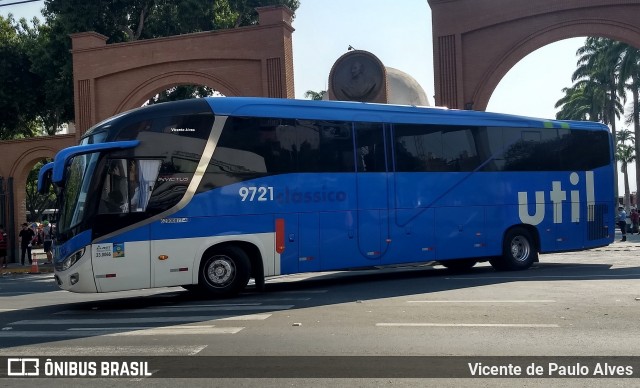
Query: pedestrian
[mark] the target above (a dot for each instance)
(622, 222)
(48, 240)
(3, 247)
(26, 237)
(635, 220)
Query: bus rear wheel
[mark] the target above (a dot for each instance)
(518, 251)
(224, 272)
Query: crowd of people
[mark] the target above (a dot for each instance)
(34, 235)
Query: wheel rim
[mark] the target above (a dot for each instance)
(520, 248)
(221, 271)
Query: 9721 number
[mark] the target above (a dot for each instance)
(260, 194)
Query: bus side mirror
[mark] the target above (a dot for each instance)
(45, 178)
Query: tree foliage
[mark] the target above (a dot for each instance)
(20, 94)
(36, 73)
(606, 69)
(315, 95)
(35, 202)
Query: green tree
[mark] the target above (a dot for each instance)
(36, 202)
(598, 66)
(315, 95)
(20, 94)
(578, 103)
(625, 154)
(630, 75)
(125, 21)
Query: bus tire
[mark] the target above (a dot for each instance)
(459, 265)
(224, 272)
(518, 251)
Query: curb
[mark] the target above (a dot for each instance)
(24, 270)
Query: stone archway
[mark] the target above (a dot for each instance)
(476, 42)
(108, 79)
(246, 61)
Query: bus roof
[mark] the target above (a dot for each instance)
(360, 111)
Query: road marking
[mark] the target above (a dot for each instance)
(168, 330)
(481, 301)
(270, 300)
(40, 351)
(174, 309)
(103, 333)
(97, 321)
(541, 325)
(303, 292)
(544, 277)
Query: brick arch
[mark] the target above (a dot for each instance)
(473, 53)
(247, 61)
(164, 81)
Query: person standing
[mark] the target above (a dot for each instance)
(48, 240)
(3, 247)
(26, 237)
(635, 220)
(622, 222)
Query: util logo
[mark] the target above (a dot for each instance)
(557, 196)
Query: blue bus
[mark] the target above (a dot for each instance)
(209, 193)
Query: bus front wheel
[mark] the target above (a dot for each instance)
(224, 272)
(518, 251)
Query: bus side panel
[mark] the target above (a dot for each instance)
(122, 262)
(339, 241)
(413, 238)
(309, 242)
(460, 232)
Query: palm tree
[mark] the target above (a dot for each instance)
(625, 154)
(630, 74)
(598, 66)
(315, 95)
(578, 103)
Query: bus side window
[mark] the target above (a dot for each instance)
(114, 198)
(142, 179)
(370, 148)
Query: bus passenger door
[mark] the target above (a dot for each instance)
(372, 192)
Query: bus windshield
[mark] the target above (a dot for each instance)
(74, 196)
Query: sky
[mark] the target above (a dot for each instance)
(400, 36)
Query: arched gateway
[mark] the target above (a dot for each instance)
(108, 79)
(476, 42)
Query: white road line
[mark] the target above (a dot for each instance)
(249, 317)
(177, 331)
(41, 351)
(139, 328)
(481, 301)
(98, 333)
(541, 325)
(181, 309)
(545, 277)
(303, 292)
(97, 321)
(271, 300)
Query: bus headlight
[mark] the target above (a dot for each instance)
(70, 261)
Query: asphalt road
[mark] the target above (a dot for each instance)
(572, 304)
